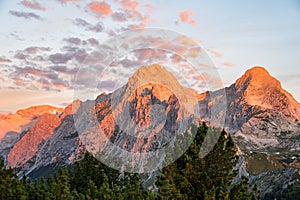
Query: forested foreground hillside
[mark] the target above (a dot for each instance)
(190, 177)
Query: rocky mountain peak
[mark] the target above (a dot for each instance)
(258, 88)
(152, 74)
(163, 83)
(22, 119)
(257, 78)
(27, 147)
(35, 111)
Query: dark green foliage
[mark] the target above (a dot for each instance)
(209, 177)
(190, 177)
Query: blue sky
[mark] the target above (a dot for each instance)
(38, 65)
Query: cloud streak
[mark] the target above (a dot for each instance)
(99, 27)
(68, 1)
(4, 60)
(65, 70)
(227, 64)
(29, 70)
(26, 15)
(33, 5)
(60, 58)
(215, 53)
(34, 49)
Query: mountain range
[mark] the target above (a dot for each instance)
(146, 114)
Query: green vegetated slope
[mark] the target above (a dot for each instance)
(190, 177)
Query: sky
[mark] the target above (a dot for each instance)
(45, 45)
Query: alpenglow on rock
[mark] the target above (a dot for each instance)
(261, 115)
(145, 115)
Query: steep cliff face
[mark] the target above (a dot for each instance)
(259, 88)
(20, 121)
(24, 152)
(145, 115)
(15, 126)
(260, 114)
(27, 147)
(148, 110)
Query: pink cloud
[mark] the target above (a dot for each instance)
(176, 58)
(33, 5)
(119, 17)
(199, 78)
(101, 9)
(47, 85)
(215, 53)
(149, 8)
(194, 52)
(131, 7)
(187, 41)
(66, 1)
(34, 50)
(3, 59)
(19, 81)
(227, 64)
(186, 16)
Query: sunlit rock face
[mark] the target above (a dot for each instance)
(144, 115)
(15, 126)
(27, 147)
(23, 153)
(260, 114)
(20, 121)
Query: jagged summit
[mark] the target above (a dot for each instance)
(18, 122)
(163, 83)
(258, 88)
(37, 110)
(152, 74)
(259, 113)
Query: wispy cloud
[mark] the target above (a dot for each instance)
(20, 55)
(4, 59)
(48, 85)
(228, 64)
(60, 58)
(214, 52)
(19, 82)
(73, 40)
(33, 5)
(119, 17)
(98, 27)
(79, 54)
(131, 8)
(26, 15)
(64, 69)
(149, 8)
(186, 16)
(67, 1)
(34, 49)
(81, 22)
(93, 41)
(29, 70)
